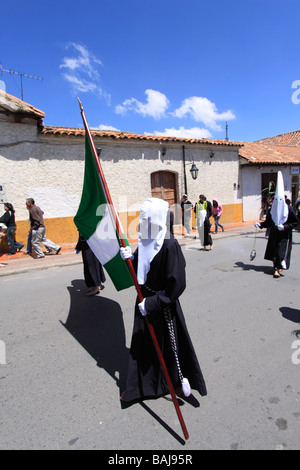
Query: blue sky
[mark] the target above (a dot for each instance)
(180, 67)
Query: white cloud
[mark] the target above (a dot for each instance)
(203, 110)
(80, 84)
(192, 133)
(197, 108)
(156, 105)
(103, 127)
(84, 61)
(81, 70)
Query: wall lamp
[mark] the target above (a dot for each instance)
(163, 149)
(194, 170)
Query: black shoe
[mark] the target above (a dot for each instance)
(19, 249)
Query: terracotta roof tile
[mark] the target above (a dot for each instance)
(265, 153)
(15, 105)
(118, 135)
(290, 139)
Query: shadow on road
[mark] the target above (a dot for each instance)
(254, 267)
(97, 324)
(162, 423)
(292, 314)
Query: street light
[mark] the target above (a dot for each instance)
(194, 170)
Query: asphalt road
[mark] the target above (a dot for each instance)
(67, 353)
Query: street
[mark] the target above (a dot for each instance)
(66, 355)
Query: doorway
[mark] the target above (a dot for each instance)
(268, 188)
(163, 186)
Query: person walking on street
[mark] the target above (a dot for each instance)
(217, 210)
(92, 268)
(29, 245)
(209, 208)
(186, 207)
(203, 223)
(282, 220)
(38, 230)
(8, 219)
(160, 267)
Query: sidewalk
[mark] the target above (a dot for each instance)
(20, 262)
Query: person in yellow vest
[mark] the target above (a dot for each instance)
(203, 224)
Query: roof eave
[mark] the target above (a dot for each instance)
(118, 135)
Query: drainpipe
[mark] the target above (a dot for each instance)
(184, 172)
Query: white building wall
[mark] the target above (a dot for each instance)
(252, 189)
(43, 173)
(50, 169)
(128, 169)
(12, 132)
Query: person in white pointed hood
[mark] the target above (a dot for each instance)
(160, 268)
(281, 220)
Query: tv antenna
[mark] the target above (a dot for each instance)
(12, 72)
(226, 138)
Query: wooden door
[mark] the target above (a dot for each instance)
(163, 186)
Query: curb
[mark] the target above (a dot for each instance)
(21, 263)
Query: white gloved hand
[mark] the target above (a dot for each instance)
(76, 252)
(126, 253)
(257, 225)
(142, 308)
(280, 227)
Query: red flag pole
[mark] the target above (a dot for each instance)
(133, 274)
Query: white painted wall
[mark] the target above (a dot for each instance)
(251, 181)
(50, 169)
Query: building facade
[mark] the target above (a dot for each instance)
(260, 162)
(47, 164)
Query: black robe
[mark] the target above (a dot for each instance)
(165, 283)
(92, 268)
(279, 246)
(207, 236)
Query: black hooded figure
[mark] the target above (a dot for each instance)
(160, 267)
(94, 275)
(281, 220)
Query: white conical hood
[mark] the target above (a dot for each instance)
(152, 232)
(280, 210)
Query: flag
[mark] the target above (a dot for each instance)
(92, 220)
(95, 222)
